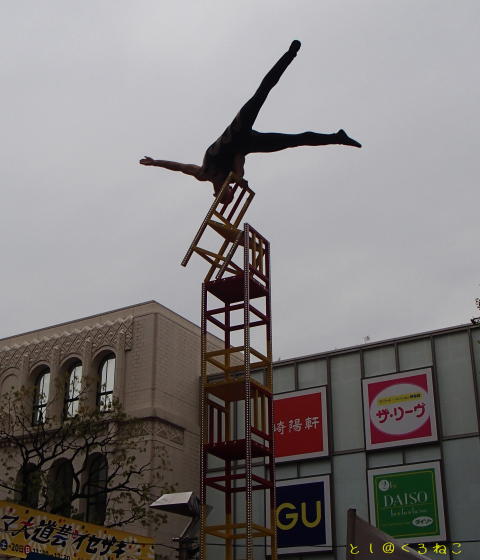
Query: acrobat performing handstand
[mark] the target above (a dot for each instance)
(239, 139)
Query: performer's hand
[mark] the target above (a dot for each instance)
(147, 161)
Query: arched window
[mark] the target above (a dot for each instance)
(40, 398)
(73, 387)
(27, 486)
(106, 379)
(96, 489)
(60, 483)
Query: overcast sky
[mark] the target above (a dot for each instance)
(381, 241)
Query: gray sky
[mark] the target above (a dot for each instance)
(381, 241)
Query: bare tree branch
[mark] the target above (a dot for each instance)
(127, 487)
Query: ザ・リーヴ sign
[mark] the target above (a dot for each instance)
(406, 502)
(25, 530)
(399, 409)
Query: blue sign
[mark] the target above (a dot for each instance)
(303, 515)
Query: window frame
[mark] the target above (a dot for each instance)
(40, 398)
(70, 397)
(96, 489)
(27, 485)
(105, 395)
(60, 487)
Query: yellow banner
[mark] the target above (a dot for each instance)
(24, 530)
(401, 398)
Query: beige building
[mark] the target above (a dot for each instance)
(145, 355)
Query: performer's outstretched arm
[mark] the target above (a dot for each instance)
(187, 168)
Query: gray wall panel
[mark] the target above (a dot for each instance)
(312, 374)
(350, 490)
(379, 360)
(415, 354)
(455, 384)
(462, 480)
(346, 394)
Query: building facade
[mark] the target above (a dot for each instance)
(147, 357)
(390, 428)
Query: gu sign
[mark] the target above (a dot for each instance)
(303, 515)
(300, 425)
(399, 409)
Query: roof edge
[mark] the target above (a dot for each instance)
(378, 343)
(87, 317)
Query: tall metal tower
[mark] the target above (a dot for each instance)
(236, 409)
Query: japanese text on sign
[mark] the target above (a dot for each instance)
(24, 530)
(399, 409)
(296, 424)
(300, 424)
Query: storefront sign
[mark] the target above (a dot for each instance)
(300, 425)
(303, 515)
(25, 530)
(406, 502)
(399, 409)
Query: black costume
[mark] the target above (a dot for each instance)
(240, 138)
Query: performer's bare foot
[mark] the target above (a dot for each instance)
(295, 46)
(345, 140)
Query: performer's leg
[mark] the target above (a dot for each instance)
(245, 118)
(236, 136)
(274, 141)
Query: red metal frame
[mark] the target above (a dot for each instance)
(237, 283)
(227, 383)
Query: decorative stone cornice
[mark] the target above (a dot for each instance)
(156, 428)
(67, 343)
(159, 428)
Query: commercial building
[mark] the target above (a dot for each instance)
(390, 428)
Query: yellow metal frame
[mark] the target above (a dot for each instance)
(225, 221)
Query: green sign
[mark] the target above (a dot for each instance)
(406, 502)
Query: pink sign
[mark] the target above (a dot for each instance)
(300, 425)
(399, 409)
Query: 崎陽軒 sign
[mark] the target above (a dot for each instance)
(300, 424)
